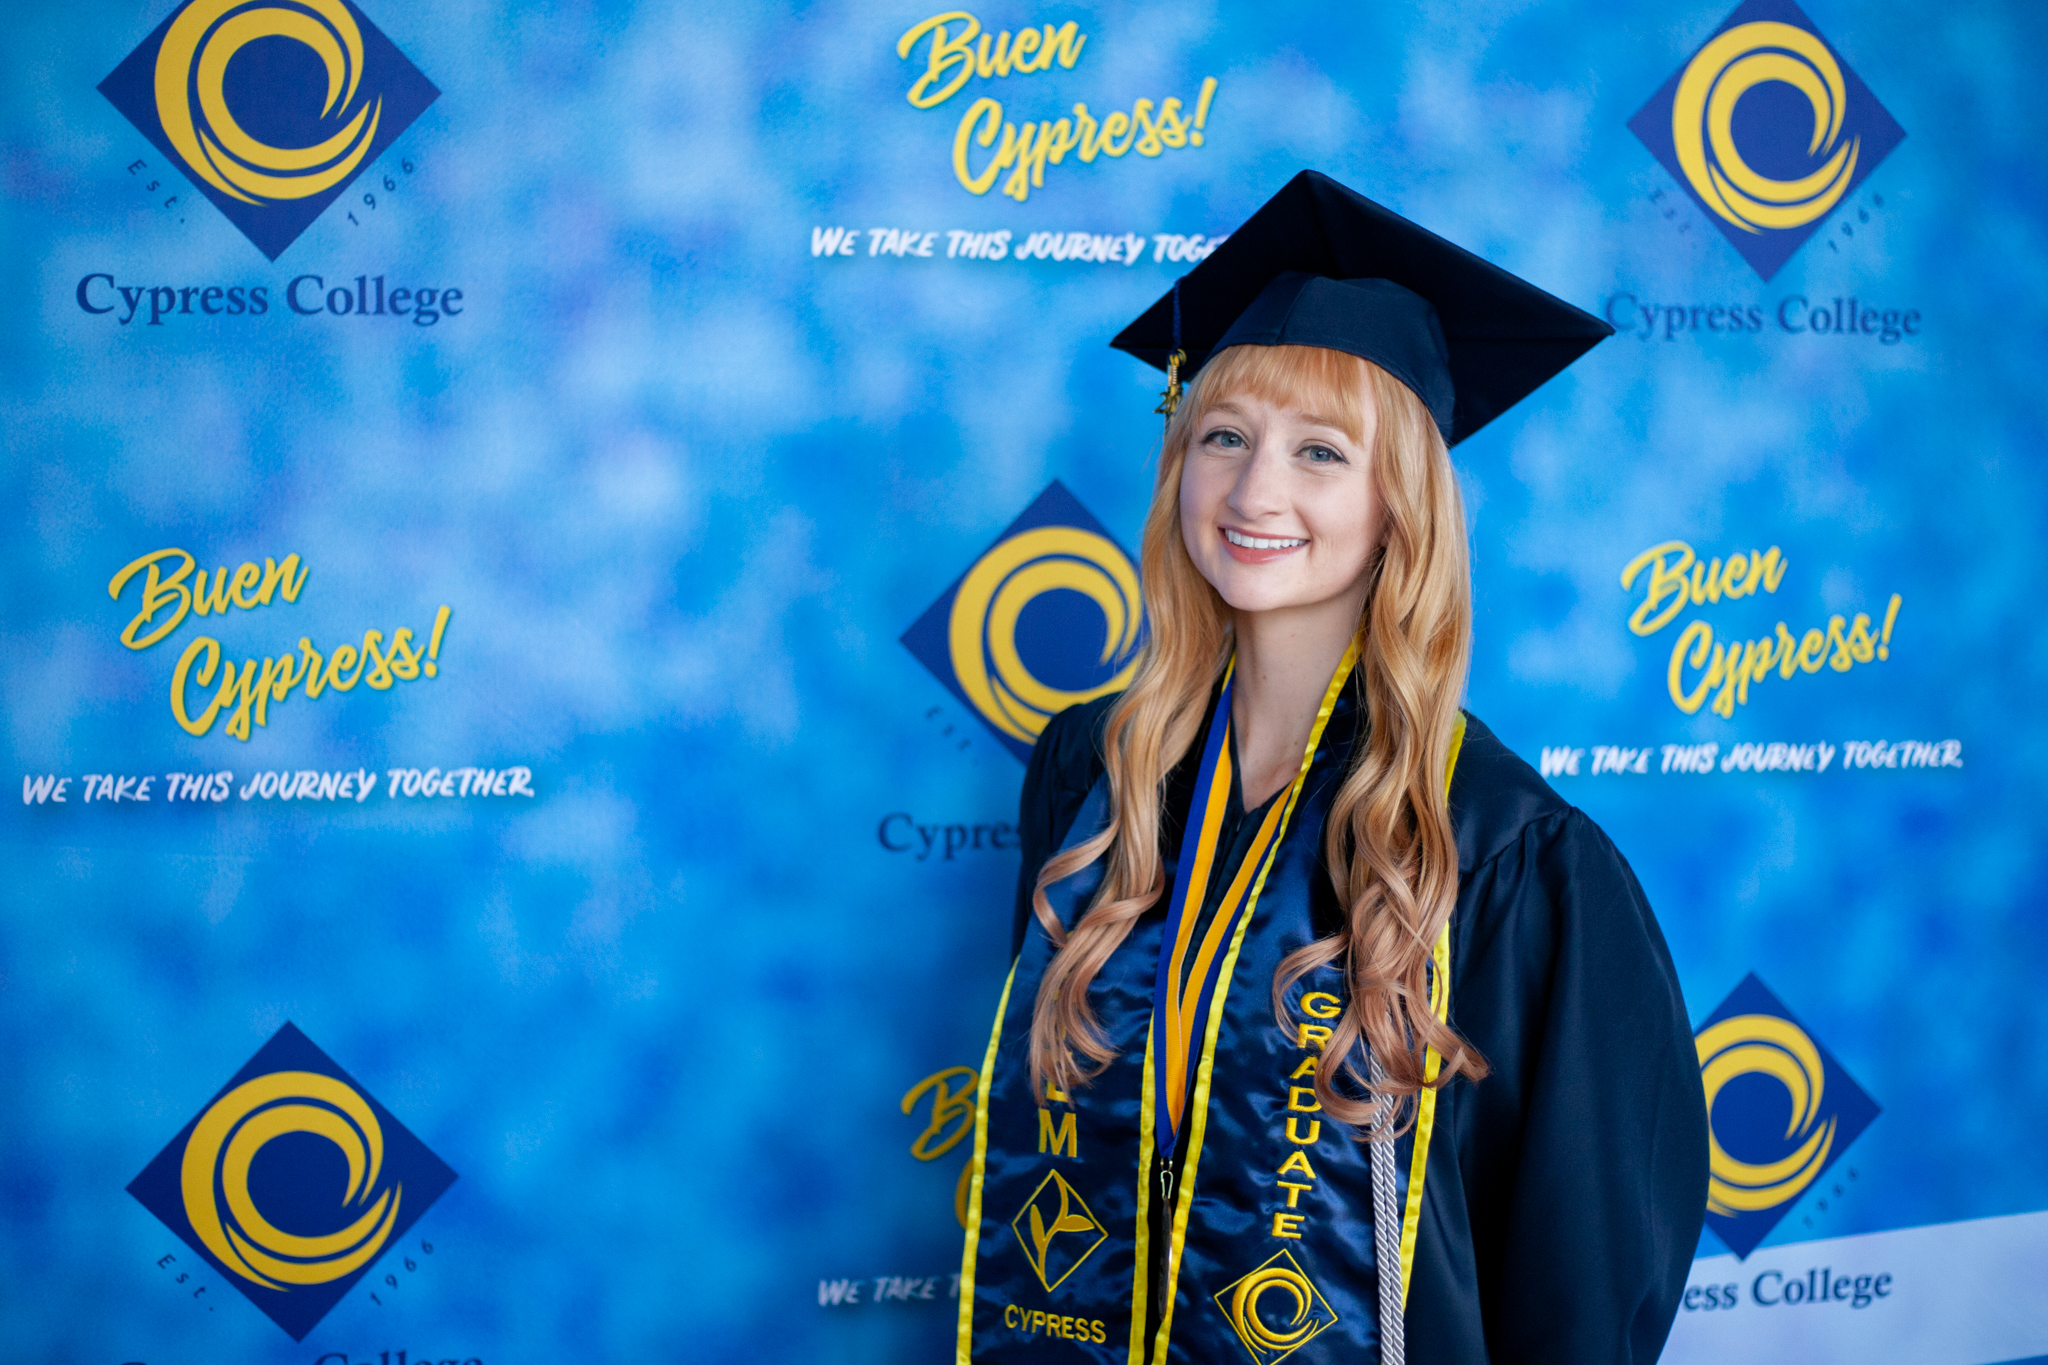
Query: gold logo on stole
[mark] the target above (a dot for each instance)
(1275, 1310)
(1056, 1230)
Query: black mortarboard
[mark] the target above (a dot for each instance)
(1322, 265)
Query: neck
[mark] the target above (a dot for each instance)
(1285, 660)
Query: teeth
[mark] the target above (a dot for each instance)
(1259, 542)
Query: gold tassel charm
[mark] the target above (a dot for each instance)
(1170, 400)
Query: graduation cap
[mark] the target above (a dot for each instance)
(1322, 265)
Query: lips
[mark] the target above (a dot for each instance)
(1247, 548)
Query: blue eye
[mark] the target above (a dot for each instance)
(1228, 439)
(1323, 455)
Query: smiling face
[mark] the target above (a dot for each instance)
(1277, 505)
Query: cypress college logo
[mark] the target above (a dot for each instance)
(1767, 128)
(1780, 1110)
(291, 1182)
(1275, 1309)
(271, 107)
(1048, 617)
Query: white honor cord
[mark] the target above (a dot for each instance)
(1386, 1238)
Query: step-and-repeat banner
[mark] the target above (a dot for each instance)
(538, 541)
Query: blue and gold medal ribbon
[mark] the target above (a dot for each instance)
(1189, 971)
(1172, 1010)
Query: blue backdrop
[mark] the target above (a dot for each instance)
(615, 797)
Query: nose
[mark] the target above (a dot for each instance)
(1260, 488)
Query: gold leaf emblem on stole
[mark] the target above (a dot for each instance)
(1056, 1230)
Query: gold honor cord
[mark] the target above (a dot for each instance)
(1206, 1070)
(1425, 1103)
(1141, 1271)
(964, 1342)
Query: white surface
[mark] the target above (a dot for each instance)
(1971, 1293)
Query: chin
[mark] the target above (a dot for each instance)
(1254, 596)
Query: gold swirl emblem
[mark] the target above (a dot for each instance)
(1702, 131)
(191, 68)
(982, 630)
(214, 1178)
(1298, 1314)
(1765, 1045)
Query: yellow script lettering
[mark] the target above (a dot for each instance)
(1699, 637)
(1732, 667)
(953, 56)
(278, 577)
(989, 115)
(1665, 594)
(946, 56)
(157, 592)
(1678, 578)
(209, 593)
(952, 1116)
(200, 724)
(249, 689)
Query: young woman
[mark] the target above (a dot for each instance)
(1333, 1033)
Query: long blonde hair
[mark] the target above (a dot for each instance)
(1389, 846)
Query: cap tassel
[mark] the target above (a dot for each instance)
(1170, 400)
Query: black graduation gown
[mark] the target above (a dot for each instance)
(1568, 1188)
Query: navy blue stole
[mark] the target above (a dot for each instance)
(1268, 1232)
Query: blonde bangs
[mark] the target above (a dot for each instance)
(1332, 386)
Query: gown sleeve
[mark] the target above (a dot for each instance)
(1584, 1153)
(1064, 765)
